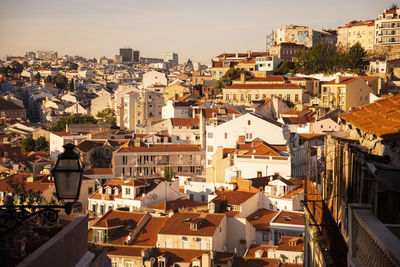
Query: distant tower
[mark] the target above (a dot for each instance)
(126, 54)
(171, 59)
(136, 56)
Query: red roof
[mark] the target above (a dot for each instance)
(161, 148)
(261, 218)
(179, 224)
(185, 121)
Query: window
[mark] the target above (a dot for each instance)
(127, 191)
(265, 236)
(114, 264)
(234, 97)
(360, 98)
(296, 97)
(280, 95)
(210, 135)
(129, 264)
(264, 96)
(124, 160)
(288, 97)
(209, 162)
(249, 122)
(241, 97)
(161, 263)
(271, 207)
(179, 168)
(191, 196)
(90, 190)
(259, 174)
(226, 135)
(238, 173)
(227, 97)
(366, 98)
(249, 97)
(257, 96)
(209, 148)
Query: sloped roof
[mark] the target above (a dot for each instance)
(185, 121)
(261, 218)
(179, 224)
(230, 197)
(380, 118)
(266, 86)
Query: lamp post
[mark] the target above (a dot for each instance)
(67, 175)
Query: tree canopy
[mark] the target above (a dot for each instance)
(285, 67)
(61, 81)
(73, 66)
(230, 75)
(324, 58)
(107, 116)
(60, 125)
(29, 144)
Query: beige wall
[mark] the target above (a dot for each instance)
(216, 173)
(235, 95)
(362, 34)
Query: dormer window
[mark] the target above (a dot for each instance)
(193, 226)
(108, 191)
(293, 243)
(287, 218)
(101, 190)
(116, 191)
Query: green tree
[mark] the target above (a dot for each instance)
(226, 80)
(41, 144)
(168, 173)
(73, 66)
(357, 59)
(28, 145)
(286, 67)
(61, 81)
(107, 116)
(60, 125)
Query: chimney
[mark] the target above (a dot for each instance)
(237, 54)
(249, 53)
(338, 79)
(243, 78)
(241, 140)
(137, 142)
(206, 259)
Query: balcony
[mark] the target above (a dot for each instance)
(371, 243)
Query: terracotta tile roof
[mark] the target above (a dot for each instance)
(7, 105)
(185, 121)
(179, 224)
(265, 86)
(119, 218)
(261, 218)
(312, 136)
(223, 257)
(298, 120)
(98, 171)
(176, 204)
(289, 217)
(251, 252)
(255, 262)
(290, 243)
(147, 236)
(345, 80)
(176, 256)
(120, 250)
(380, 118)
(11, 152)
(293, 193)
(40, 185)
(87, 145)
(61, 134)
(369, 78)
(162, 148)
(289, 264)
(233, 197)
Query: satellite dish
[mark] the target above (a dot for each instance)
(152, 260)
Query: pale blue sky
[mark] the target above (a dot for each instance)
(195, 29)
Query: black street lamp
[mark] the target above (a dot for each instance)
(67, 175)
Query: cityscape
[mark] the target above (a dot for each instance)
(277, 150)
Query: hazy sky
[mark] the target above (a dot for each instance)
(195, 29)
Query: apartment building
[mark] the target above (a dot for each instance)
(362, 32)
(141, 160)
(387, 28)
(244, 94)
(345, 93)
(343, 36)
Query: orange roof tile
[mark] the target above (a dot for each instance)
(289, 217)
(265, 86)
(185, 121)
(379, 118)
(261, 218)
(290, 243)
(179, 224)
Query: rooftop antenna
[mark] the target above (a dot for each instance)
(269, 40)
